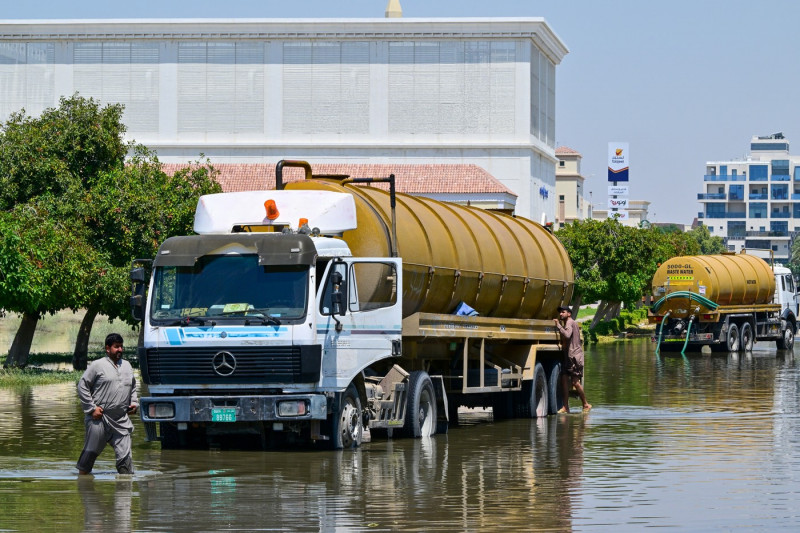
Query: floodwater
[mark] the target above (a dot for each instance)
(698, 443)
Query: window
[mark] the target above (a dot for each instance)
(562, 163)
(780, 167)
(375, 286)
(758, 172)
(758, 210)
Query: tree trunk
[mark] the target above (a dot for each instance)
(80, 357)
(577, 305)
(21, 346)
(601, 312)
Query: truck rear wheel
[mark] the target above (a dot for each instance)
(531, 401)
(554, 398)
(786, 342)
(421, 407)
(732, 341)
(746, 338)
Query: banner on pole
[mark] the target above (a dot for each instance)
(617, 203)
(618, 161)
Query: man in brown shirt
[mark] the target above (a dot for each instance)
(572, 361)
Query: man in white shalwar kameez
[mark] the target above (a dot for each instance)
(107, 391)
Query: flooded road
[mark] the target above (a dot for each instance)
(697, 443)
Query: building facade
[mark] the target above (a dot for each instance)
(363, 91)
(571, 204)
(638, 212)
(754, 203)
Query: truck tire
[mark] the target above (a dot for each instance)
(346, 428)
(532, 400)
(421, 413)
(732, 339)
(746, 339)
(555, 400)
(786, 342)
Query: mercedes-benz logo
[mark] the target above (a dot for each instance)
(224, 363)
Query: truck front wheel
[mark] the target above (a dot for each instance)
(786, 342)
(346, 427)
(421, 407)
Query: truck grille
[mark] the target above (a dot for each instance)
(232, 365)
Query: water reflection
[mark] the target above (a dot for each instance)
(696, 442)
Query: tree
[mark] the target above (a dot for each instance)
(57, 151)
(614, 263)
(43, 265)
(709, 244)
(74, 214)
(129, 211)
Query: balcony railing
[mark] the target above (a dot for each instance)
(778, 233)
(711, 196)
(781, 215)
(795, 196)
(757, 196)
(723, 177)
(781, 177)
(783, 197)
(724, 214)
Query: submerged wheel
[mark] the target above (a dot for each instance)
(554, 400)
(746, 339)
(346, 427)
(786, 342)
(539, 393)
(420, 407)
(733, 338)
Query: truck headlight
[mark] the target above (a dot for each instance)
(292, 408)
(161, 410)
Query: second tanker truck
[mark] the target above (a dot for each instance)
(727, 302)
(328, 310)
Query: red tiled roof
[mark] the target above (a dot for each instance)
(566, 150)
(410, 179)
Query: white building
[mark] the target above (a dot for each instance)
(638, 212)
(390, 91)
(753, 203)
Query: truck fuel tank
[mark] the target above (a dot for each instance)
(726, 279)
(502, 266)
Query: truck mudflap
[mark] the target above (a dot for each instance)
(284, 407)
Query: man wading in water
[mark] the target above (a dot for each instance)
(572, 360)
(107, 391)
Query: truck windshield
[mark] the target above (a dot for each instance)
(229, 287)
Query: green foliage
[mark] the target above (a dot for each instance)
(626, 319)
(616, 263)
(55, 152)
(709, 244)
(73, 214)
(28, 377)
(44, 262)
(794, 259)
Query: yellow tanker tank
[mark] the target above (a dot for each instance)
(726, 280)
(501, 266)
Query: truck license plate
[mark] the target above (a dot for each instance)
(223, 415)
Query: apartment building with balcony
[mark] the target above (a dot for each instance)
(754, 203)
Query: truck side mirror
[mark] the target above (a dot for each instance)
(137, 276)
(336, 295)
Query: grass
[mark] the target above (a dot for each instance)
(28, 377)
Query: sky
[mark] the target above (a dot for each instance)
(683, 82)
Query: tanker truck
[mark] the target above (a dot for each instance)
(330, 310)
(727, 302)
